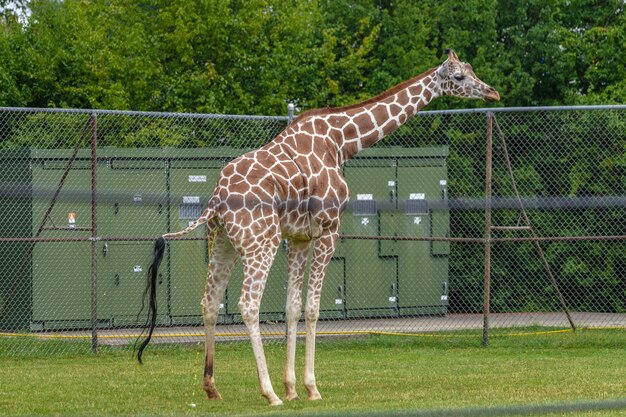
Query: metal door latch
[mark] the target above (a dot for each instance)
(340, 290)
(393, 298)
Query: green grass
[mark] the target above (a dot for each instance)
(357, 376)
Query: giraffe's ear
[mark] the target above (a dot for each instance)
(443, 69)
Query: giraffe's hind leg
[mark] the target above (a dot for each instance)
(223, 258)
(298, 251)
(256, 266)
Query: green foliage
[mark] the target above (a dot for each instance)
(254, 56)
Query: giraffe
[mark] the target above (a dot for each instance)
(292, 188)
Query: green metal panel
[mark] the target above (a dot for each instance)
(15, 221)
(61, 270)
(370, 279)
(427, 153)
(122, 269)
(422, 277)
(188, 279)
(191, 184)
(132, 202)
(132, 197)
(440, 227)
(61, 285)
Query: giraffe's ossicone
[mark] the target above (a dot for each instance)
(292, 188)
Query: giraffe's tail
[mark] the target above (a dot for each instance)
(150, 292)
(205, 217)
(153, 272)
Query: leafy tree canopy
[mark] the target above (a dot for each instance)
(254, 56)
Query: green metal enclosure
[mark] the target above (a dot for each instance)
(61, 271)
(423, 265)
(132, 202)
(147, 192)
(15, 222)
(371, 277)
(390, 192)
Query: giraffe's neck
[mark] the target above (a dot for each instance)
(372, 120)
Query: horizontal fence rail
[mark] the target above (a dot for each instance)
(464, 223)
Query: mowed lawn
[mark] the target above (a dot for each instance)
(355, 376)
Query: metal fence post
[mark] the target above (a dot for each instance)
(487, 285)
(291, 108)
(528, 226)
(94, 235)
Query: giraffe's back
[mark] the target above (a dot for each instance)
(287, 188)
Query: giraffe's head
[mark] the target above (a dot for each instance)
(456, 78)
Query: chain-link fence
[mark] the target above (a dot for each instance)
(460, 221)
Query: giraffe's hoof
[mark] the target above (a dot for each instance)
(291, 397)
(213, 394)
(275, 402)
(314, 396)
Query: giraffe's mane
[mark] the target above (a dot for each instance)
(391, 91)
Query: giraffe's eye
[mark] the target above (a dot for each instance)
(459, 77)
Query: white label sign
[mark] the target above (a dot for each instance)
(417, 220)
(417, 196)
(137, 268)
(391, 183)
(364, 196)
(444, 298)
(338, 301)
(365, 221)
(392, 299)
(191, 199)
(197, 178)
(443, 183)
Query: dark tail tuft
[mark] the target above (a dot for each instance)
(150, 291)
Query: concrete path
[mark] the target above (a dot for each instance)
(328, 328)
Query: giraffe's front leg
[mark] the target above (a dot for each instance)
(297, 263)
(322, 254)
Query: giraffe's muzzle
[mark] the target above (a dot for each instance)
(491, 94)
